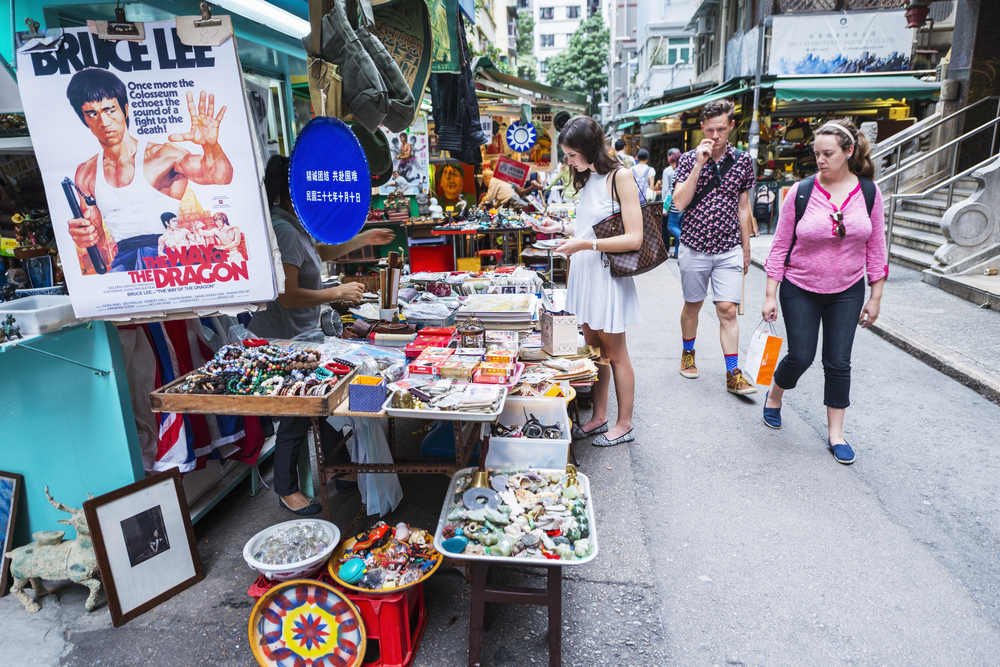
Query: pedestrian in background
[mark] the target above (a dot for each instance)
(619, 154)
(711, 187)
(821, 262)
(672, 219)
(644, 174)
(604, 305)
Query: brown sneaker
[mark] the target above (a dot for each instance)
(688, 369)
(737, 384)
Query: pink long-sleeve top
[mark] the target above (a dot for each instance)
(821, 261)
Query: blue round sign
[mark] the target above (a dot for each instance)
(521, 136)
(330, 181)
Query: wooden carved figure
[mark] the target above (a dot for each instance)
(51, 557)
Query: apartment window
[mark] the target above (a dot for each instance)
(548, 40)
(573, 12)
(543, 66)
(672, 51)
(546, 13)
(522, 4)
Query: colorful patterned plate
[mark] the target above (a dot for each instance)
(306, 623)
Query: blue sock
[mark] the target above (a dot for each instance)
(688, 344)
(732, 362)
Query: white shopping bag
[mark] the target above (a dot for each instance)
(762, 355)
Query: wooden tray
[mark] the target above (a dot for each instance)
(273, 406)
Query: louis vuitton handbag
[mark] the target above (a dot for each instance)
(650, 255)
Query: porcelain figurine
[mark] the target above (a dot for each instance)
(51, 557)
(437, 212)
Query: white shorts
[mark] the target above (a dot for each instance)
(725, 271)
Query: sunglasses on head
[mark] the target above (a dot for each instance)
(838, 217)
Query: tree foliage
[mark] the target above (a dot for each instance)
(584, 65)
(527, 67)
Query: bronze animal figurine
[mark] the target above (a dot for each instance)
(9, 329)
(51, 557)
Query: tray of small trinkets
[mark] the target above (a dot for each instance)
(543, 516)
(258, 379)
(459, 402)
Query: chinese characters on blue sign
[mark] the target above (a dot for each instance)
(330, 181)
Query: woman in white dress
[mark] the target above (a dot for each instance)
(603, 304)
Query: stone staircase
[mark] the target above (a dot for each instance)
(916, 229)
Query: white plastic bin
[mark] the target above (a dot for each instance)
(39, 314)
(535, 452)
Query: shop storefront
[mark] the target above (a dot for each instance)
(129, 348)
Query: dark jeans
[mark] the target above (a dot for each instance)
(672, 227)
(291, 435)
(803, 312)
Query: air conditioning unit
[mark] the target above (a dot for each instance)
(943, 12)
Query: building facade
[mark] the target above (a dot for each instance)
(555, 23)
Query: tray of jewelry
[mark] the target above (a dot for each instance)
(258, 379)
(528, 516)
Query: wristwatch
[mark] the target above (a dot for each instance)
(593, 244)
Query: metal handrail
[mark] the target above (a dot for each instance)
(926, 156)
(950, 183)
(902, 140)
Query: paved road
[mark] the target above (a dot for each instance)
(722, 542)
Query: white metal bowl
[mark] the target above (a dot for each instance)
(303, 568)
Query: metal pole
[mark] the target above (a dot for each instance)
(754, 139)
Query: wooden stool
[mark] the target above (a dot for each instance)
(483, 591)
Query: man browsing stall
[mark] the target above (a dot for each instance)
(712, 184)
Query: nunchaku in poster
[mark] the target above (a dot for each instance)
(150, 174)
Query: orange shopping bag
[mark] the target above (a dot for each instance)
(762, 356)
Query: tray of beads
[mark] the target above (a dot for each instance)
(537, 517)
(258, 379)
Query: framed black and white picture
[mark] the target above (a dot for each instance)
(10, 489)
(144, 543)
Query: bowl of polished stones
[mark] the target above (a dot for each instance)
(546, 516)
(293, 549)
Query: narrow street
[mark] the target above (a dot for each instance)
(722, 542)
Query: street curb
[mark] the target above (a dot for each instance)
(938, 357)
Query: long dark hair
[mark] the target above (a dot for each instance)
(861, 162)
(584, 135)
(276, 180)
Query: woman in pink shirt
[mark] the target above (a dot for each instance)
(821, 263)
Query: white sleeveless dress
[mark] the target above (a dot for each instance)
(598, 300)
(134, 209)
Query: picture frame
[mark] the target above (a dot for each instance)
(145, 545)
(10, 489)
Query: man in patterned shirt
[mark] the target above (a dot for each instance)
(712, 185)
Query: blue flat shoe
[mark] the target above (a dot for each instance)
(843, 453)
(772, 416)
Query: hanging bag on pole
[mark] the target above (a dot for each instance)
(651, 254)
(402, 107)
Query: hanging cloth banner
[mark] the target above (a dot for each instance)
(446, 56)
(404, 28)
(148, 160)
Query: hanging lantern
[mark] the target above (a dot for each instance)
(473, 333)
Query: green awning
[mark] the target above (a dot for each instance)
(653, 113)
(835, 88)
(533, 86)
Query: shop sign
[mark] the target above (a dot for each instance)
(330, 181)
(147, 158)
(840, 43)
(410, 159)
(511, 171)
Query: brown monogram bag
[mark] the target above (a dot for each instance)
(646, 258)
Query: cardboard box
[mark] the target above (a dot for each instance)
(367, 394)
(458, 370)
(498, 370)
(559, 333)
(426, 368)
(501, 357)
